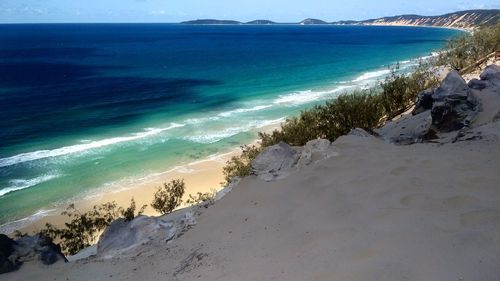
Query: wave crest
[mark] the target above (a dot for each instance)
(41, 154)
(20, 184)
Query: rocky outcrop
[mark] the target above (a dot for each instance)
(36, 248)
(279, 160)
(6, 249)
(406, 130)
(274, 161)
(452, 104)
(489, 78)
(314, 151)
(122, 235)
(360, 133)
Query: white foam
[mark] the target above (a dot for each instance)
(41, 154)
(194, 121)
(12, 226)
(243, 110)
(207, 137)
(308, 96)
(20, 184)
(371, 75)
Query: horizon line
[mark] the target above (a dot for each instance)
(247, 22)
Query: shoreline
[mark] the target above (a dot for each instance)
(468, 30)
(203, 175)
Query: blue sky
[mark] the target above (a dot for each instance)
(244, 10)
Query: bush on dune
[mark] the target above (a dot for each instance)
(84, 228)
(329, 121)
(335, 118)
(399, 90)
(240, 166)
(206, 197)
(468, 49)
(169, 197)
(365, 109)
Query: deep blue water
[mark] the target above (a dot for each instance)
(83, 105)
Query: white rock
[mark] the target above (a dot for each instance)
(315, 151)
(274, 162)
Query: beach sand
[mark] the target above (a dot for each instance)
(201, 176)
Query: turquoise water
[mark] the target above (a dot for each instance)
(88, 106)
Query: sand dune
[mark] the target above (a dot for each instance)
(375, 211)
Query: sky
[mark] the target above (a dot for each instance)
(43, 11)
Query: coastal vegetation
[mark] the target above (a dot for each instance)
(240, 166)
(368, 109)
(466, 50)
(83, 228)
(169, 197)
(201, 197)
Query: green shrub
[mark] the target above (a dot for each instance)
(129, 213)
(294, 131)
(360, 109)
(337, 117)
(240, 166)
(202, 197)
(465, 50)
(168, 197)
(83, 228)
(399, 90)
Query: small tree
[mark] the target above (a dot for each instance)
(129, 213)
(240, 166)
(168, 197)
(202, 197)
(84, 228)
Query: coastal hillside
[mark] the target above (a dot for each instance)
(261, 22)
(359, 208)
(312, 21)
(210, 21)
(462, 19)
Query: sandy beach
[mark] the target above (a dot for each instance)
(202, 176)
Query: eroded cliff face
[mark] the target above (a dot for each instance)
(464, 19)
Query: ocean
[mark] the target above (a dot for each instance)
(87, 106)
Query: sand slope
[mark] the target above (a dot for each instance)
(375, 212)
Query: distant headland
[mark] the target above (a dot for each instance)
(462, 19)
